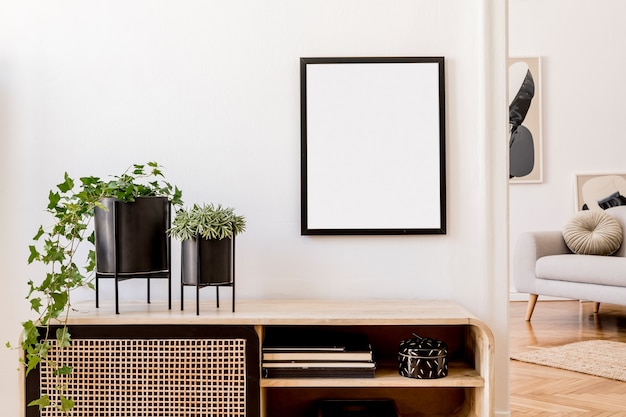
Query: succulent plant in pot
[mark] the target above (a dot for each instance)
(72, 205)
(207, 234)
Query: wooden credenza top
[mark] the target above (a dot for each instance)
(280, 312)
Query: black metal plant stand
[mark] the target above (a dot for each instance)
(118, 275)
(125, 276)
(199, 284)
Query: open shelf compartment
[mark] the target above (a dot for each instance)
(458, 394)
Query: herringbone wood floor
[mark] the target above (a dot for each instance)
(540, 391)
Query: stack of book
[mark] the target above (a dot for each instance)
(316, 353)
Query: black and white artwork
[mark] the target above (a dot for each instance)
(600, 191)
(525, 164)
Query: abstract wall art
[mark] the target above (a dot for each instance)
(525, 141)
(600, 191)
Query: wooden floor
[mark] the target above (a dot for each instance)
(540, 391)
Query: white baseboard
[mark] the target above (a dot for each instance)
(517, 296)
(502, 414)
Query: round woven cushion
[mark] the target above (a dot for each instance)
(593, 232)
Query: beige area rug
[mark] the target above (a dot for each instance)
(594, 357)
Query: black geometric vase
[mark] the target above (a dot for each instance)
(132, 237)
(131, 241)
(207, 262)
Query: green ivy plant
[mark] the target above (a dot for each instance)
(71, 205)
(207, 221)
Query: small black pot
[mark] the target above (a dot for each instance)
(207, 261)
(135, 233)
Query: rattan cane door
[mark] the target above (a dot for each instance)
(190, 371)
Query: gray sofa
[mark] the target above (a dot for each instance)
(544, 265)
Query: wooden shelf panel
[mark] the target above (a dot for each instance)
(279, 312)
(459, 375)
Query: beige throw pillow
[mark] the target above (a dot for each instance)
(593, 232)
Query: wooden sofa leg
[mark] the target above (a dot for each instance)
(596, 308)
(531, 306)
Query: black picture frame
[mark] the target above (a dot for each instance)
(372, 146)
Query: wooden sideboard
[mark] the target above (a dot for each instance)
(153, 361)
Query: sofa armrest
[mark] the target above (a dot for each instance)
(531, 246)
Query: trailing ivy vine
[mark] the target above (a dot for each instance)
(71, 205)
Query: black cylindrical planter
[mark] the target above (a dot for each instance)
(135, 232)
(206, 261)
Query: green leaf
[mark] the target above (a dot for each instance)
(138, 169)
(33, 361)
(60, 301)
(87, 181)
(92, 238)
(63, 337)
(30, 333)
(42, 402)
(177, 197)
(66, 404)
(34, 254)
(63, 370)
(53, 200)
(91, 261)
(66, 185)
(40, 233)
(35, 304)
(46, 282)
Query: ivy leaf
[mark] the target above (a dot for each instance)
(177, 198)
(63, 338)
(63, 370)
(138, 169)
(53, 200)
(66, 404)
(34, 254)
(42, 402)
(35, 304)
(89, 180)
(60, 300)
(40, 233)
(33, 361)
(91, 261)
(30, 332)
(66, 185)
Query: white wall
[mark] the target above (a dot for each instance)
(583, 105)
(210, 89)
